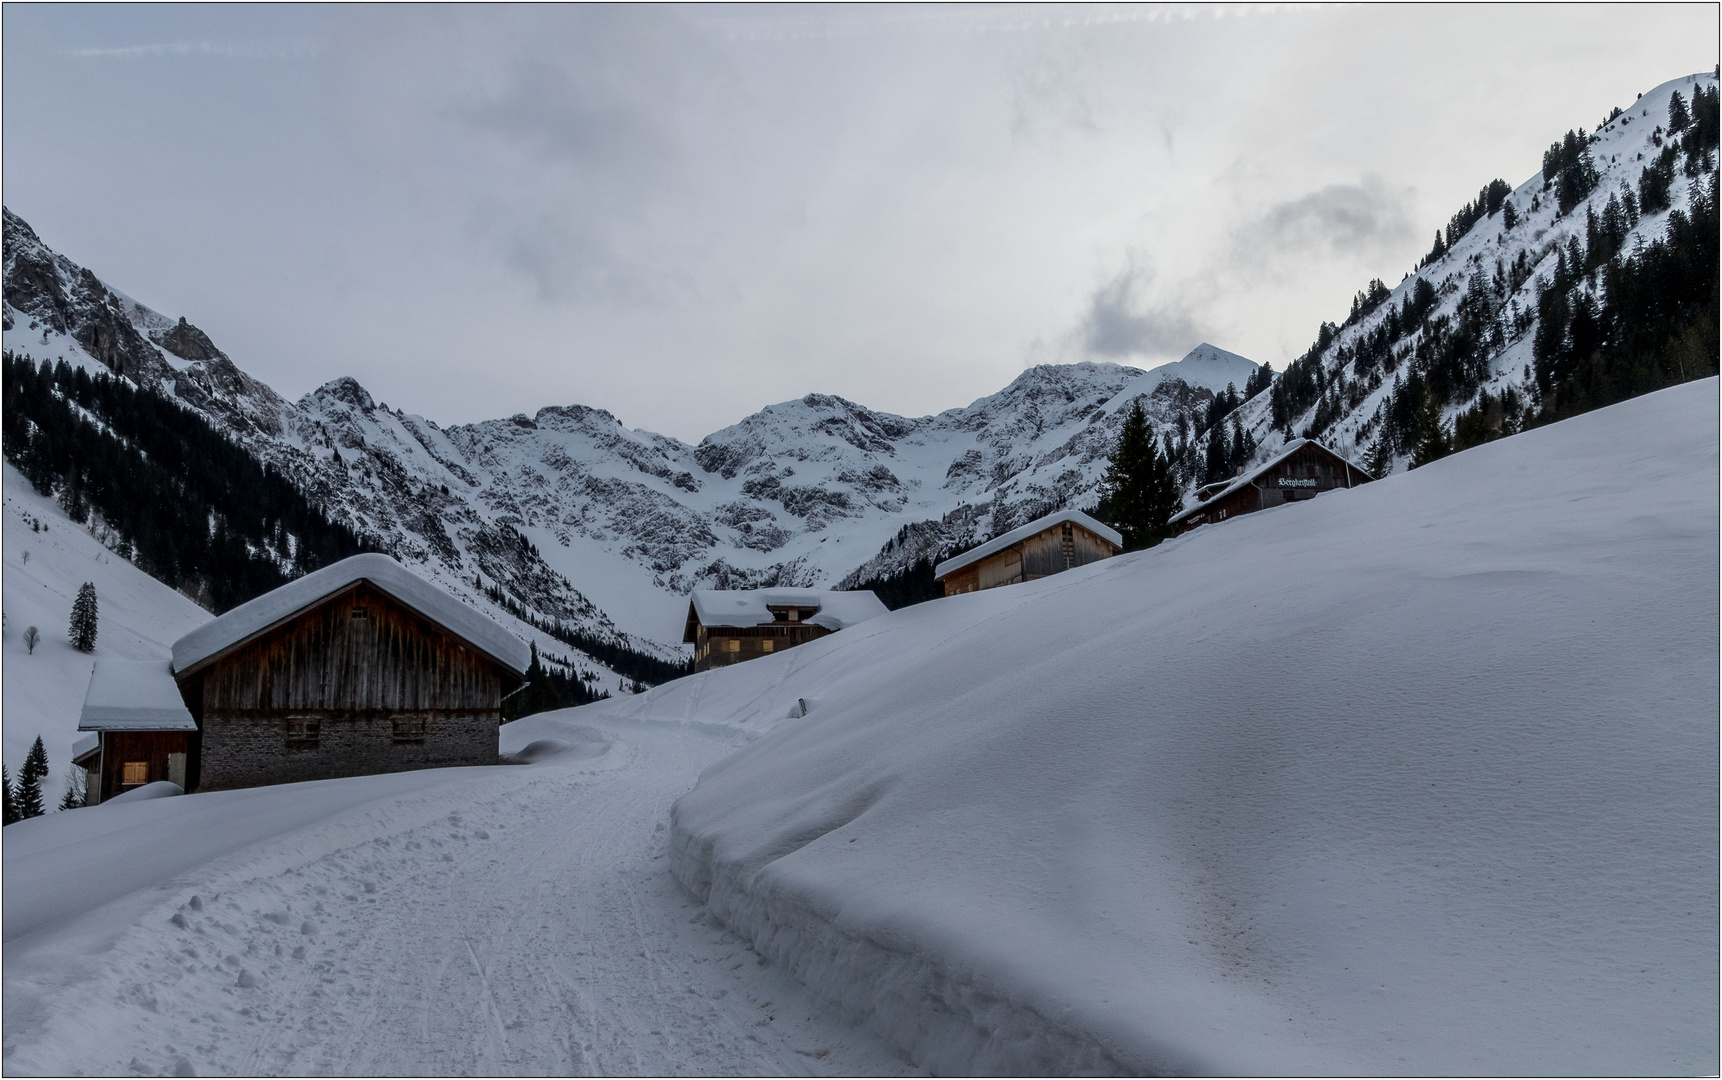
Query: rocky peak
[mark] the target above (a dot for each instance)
(187, 342)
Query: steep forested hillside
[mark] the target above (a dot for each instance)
(1591, 282)
(189, 507)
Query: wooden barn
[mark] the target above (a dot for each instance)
(360, 667)
(730, 626)
(139, 729)
(1048, 545)
(1303, 470)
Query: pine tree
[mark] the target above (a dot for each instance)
(1678, 117)
(1379, 460)
(11, 801)
(74, 794)
(30, 780)
(1429, 437)
(1139, 493)
(83, 626)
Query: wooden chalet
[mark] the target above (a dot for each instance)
(1048, 545)
(1303, 470)
(139, 730)
(730, 626)
(360, 667)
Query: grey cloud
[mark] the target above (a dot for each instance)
(1341, 219)
(1122, 322)
(562, 133)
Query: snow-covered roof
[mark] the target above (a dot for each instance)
(752, 607)
(1023, 532)
(134, 695)
(1248, 478)
(86, 744)
(273, 608)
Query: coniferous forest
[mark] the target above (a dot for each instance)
(189, 507)
(1612, 322)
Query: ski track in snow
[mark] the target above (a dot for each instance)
(525, 923)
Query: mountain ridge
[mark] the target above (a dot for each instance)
(552, 509)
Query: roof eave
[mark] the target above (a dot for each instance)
(228, 650)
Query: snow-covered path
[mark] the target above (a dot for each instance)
(508, 920)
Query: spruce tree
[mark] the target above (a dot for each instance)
(1678, 117)
(83, 626)
(11, 801)
(1139, 493)
(1429, 437)
(30, 780)
(74, 794)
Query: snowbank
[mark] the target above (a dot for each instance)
(1418, 777)
(160, 789)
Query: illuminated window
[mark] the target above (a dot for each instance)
(133, 773)
(766, 645)
(732, 645)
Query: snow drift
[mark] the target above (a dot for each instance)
(1418, 777)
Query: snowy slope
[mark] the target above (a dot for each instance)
(139, 618)
(1414, 778)
(1620, 149)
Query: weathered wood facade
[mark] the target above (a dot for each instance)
(123, 760)
(1051, 545)
(728, 627)
(1302, 471)
(358, 683)
(720, 646)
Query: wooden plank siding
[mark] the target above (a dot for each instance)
(151, 749)
(358, 684)
(1306, 473)
(1054, 550)
(720, 646)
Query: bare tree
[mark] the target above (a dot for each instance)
(31, 636)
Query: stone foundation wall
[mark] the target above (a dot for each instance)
(250, 751)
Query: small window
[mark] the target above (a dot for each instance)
(410, 730)
(133, 773)
(303, 733)
(361, 614)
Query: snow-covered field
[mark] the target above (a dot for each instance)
(1415, 778)
(452, 921)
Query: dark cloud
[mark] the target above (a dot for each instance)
(1124, 321)
(1341, 219)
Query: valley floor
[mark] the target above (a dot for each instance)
(463, 921)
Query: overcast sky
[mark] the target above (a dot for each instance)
(683, 214)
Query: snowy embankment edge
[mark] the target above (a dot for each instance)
(942, 1018)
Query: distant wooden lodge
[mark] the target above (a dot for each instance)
(360, 667)
(730, 626)
(1048, 545)
(1303, 470)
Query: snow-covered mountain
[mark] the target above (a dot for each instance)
(1480, 295)
(570, 516)
(582, 520)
